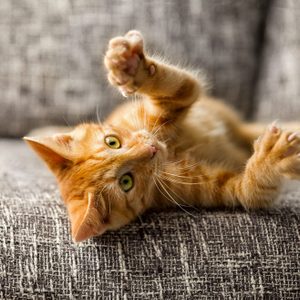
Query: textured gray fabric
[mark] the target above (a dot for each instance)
(216, 254)
(51, 52)
(50, 73)
(278, 91)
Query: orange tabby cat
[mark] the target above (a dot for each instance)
(174, 146)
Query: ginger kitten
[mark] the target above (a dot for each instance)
(174, 146)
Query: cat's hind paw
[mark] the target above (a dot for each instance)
(280, 149)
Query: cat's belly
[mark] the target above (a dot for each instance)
(205, 135)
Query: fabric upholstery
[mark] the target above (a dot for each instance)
(169, 255)
(51, 73)
(278, 90)
(51, 53)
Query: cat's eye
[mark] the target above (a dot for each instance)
(126, 182)
(112, 142)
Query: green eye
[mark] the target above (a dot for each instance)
(112, 142)
(126, 182)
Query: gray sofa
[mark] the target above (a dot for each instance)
(50, 74)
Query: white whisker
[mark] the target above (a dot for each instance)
(171, 198)
(160, 127)
(179, 176)
(177, 181)
(155, 123)
(184, 201)
(97, 114)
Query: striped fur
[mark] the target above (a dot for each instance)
(203, 152)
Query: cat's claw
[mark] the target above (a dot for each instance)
(123, 59)
(274, 127)
(123, 92)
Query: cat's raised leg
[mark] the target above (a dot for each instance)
(276, 154)
(246, 133)
(171, 90)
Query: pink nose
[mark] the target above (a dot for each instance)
(153, 150)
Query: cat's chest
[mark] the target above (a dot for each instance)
(201, 137)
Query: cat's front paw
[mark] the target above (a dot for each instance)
(280, 150)
(125, 62)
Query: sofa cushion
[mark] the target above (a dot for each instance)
(51, 54)
(231, 254)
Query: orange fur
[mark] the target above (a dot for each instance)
(180, 146)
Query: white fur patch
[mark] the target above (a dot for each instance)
(213, 127)
(219, 129)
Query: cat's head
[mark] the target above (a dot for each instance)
(104, 174)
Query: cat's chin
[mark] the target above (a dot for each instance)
(157, 154)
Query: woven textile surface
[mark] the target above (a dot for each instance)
(169, 255)
(51, 73)
(51, 52)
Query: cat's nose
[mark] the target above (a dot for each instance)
(153, 150)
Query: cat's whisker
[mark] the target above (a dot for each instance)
(142, 113)
(144, 117)
(186, 180)
(136, 116)
(173, 162)
(187, 167)
(101, 129)
(160, 127)
(140, 219)
(179, 162)
(133, 120)
(178, 204)
(155, 123)
(179, 176)
(184, 201)
(67, 123)
(171, 198)
(136, 119)
(148, 123)
(140, 123)
(158, 185)
(109, 207)
(173, 174)
(177, 181)
(166, 140)
(97, 114)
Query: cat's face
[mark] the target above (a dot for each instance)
(105, 174)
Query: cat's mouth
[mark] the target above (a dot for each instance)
(150, 147)
(158, 150)
(153, 150)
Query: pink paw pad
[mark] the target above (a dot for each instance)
(132, 64)
(274, 128)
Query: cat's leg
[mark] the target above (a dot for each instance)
(247, 133)
(171, 90)
(276, 154)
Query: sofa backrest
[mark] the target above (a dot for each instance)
(278, 90)
(51, 53)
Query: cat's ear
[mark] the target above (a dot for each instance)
(55, 150)
(86, 219)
